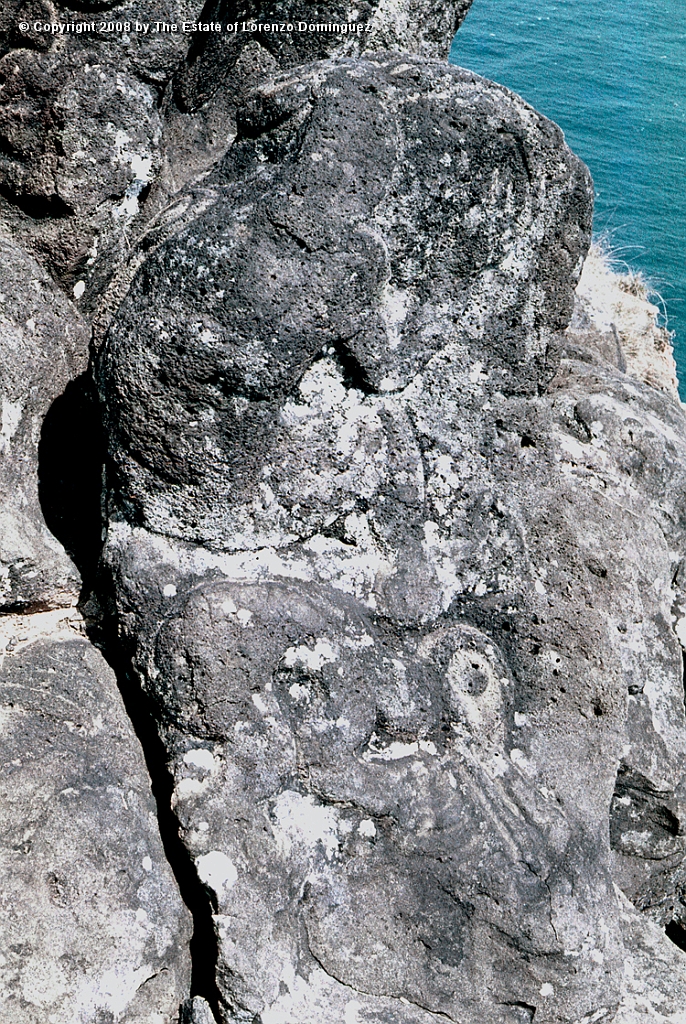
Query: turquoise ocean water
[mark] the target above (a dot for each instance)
(612, 73)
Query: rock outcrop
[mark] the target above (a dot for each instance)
(94, 117)
(43, 346)
(392, 566)
(80, 130)
(392, 573)
(92, 925)
(615, 321)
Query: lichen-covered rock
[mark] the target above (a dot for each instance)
(95, 121)
(220, 68)
(396, 556)
(43, 345)
(424, 733)
(338, 224)
(644, 430)
(295, 35)
(80, 130)
(401, 588)
(92, 927)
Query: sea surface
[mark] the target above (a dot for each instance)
(612, 73)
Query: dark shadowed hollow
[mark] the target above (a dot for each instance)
(71, 464)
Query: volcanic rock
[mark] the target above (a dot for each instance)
(220, 69)
(80, 130)
(399, 583)
(339, 237)
(393, 550)
(93, 928)
(43, 345)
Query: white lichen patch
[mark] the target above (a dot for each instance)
(447, 473)
(443, 555)
(352, 569)
(217, 871)
(111, 991)
(346, 446)
(201, 758)
(521, 761)
(303, 825)
(394, 308)
(396, 750)
(10, 413)
(298, 692)
(187, 788)
(317, 997)
(311, 659)
(43, 982)
(260, 704)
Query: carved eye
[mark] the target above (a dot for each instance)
(475, 690)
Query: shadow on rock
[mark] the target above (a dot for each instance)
(70, 459)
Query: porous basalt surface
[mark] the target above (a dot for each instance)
(392, 531)
(80, 131)
(92, 925)
(396, 566)
(337, 228)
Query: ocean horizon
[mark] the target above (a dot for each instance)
(614, 78)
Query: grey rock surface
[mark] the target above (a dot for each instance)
(43, 345)
(399, 567)
(394, 551)
(336, 226)
(428, 791)
(99, 128)
(80, 130)
(92, 924)
(220, 69)
(293, 34)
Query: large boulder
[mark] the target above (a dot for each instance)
(370, 214)
(92, 927)
(398, 563)
(395, 556)
(294, 36)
